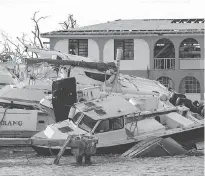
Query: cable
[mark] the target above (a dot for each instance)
(5, 112)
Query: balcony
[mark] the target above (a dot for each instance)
(191, 63)
(164, 63)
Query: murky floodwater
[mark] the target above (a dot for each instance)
(27, 163)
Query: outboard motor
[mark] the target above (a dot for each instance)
(64, 96)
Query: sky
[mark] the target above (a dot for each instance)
(15, 15)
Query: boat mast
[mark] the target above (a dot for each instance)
(119, 56)
(68, 59)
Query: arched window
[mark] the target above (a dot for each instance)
(189, 85)
(166, 81)
(189, 48)
(164, 48)
(164, 54)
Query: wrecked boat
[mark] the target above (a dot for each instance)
(89, 73)
(155, 147)
(119, 121)
(20, 116)
(19, 113)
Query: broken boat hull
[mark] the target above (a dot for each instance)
(97, 76)
(155, 147)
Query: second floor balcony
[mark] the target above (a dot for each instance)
(183, 63)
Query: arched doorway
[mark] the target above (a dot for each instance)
(164, 54)
(166, 81)
(190, 86)
(189, 48)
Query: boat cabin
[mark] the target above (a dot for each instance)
(115, 120)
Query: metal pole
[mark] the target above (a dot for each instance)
(119, 56)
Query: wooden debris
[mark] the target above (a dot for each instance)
(57, 159)
(155, 147)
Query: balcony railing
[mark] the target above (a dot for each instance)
(164, 63)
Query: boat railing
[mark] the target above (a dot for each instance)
(147, 114)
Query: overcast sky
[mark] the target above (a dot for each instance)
(15, 15)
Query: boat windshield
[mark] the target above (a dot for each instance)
(87, 123)
(77, 117)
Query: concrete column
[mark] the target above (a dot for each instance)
(101, 43)
(53, 42)
(176, 43)
(202, 84)
(201, 42)
(151, 41)
(177, 82)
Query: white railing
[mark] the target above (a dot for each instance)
(164, 63)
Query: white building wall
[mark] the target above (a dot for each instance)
(108, 51)
(62, 46)
(93, 50)
(193, 96)
(141, 55)
(191, 64)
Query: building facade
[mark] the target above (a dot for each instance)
(170, 51)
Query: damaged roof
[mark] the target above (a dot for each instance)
(109, 107)
(135, 27)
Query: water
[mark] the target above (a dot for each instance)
(27, 163)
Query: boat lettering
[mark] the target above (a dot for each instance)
(11, 123)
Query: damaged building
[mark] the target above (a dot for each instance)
(168, 50)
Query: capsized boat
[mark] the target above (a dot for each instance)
(155, 147)
(121, 120)
(91, 73)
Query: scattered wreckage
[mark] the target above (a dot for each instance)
(121, 111)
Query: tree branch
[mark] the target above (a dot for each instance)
(37, 29)
(69, 23)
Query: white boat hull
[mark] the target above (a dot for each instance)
(22, 123)
(187, 138)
